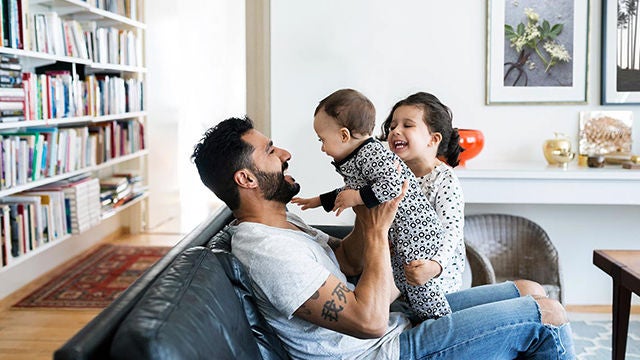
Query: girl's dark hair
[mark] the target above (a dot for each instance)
(438, 118)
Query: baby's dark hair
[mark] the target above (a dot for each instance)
(351, 109)
(438, 118)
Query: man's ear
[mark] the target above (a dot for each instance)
(345, 134)
(245, 178)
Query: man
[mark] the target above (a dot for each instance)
(299, 273)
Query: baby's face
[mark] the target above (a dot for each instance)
(334, 139)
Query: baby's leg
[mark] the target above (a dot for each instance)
(428, 301)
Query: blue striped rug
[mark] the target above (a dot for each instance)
(592, 339)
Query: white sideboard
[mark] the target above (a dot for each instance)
(581, 209)
(543, 184)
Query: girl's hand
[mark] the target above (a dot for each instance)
(419, 272)
(309, 203)
(347, 198)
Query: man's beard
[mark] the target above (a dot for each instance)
(275, 187)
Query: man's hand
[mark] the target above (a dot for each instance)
(309, 203)
(418, 272)
(381, 216)
(347, 198)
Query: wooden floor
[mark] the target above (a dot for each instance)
(37, 333)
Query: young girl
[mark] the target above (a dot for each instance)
(344, 122)
(420, 132)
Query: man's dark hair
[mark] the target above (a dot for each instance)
(220, 153)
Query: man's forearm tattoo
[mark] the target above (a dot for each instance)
(331, 310)
(340, 292)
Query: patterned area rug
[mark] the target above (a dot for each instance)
(97, 279)
(592, 339)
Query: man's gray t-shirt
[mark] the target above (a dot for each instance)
(286, 268)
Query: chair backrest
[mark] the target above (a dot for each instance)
(517, 247)
(482, 272)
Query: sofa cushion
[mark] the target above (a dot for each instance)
(268, 342)
(189, 312)
(221, 240)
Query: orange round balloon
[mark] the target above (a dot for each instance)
(472, 141)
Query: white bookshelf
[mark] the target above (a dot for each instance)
(133, 215)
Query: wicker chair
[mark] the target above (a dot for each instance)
(480, 266)
(517, 248)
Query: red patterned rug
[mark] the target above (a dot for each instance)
(97, 279)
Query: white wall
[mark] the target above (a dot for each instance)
(196, 63)
(389, 50)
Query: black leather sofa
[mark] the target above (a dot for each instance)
(195, 303)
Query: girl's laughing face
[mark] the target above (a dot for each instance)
(409, 137)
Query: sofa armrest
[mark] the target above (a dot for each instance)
(189, 312)
(94, 340)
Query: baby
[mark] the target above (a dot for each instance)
(344, 122)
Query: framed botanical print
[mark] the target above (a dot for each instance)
(537, 52)
(620, 52)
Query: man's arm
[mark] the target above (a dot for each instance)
(363, 312)
(349, 250)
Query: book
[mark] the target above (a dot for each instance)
(10, 66)
(11, 105)
(6, 24)
(114, 183)
(17, 247)
(31, 208)
(50, 151)
(14, 118)
(42, 43)
(5, 233)
(9, 81)
(22, 26)
(14, 25)
(48, 230)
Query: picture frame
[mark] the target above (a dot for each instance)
(620, 81)
(521, 67)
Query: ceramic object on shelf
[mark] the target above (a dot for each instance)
(559, 144)
(562, 158)
(472, 141)
(595, 161)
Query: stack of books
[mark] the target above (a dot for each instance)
(84, 206)
(12, 94)
(113, 190)
(81, 200)
(119, 189)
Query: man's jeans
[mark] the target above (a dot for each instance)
(488, 322)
